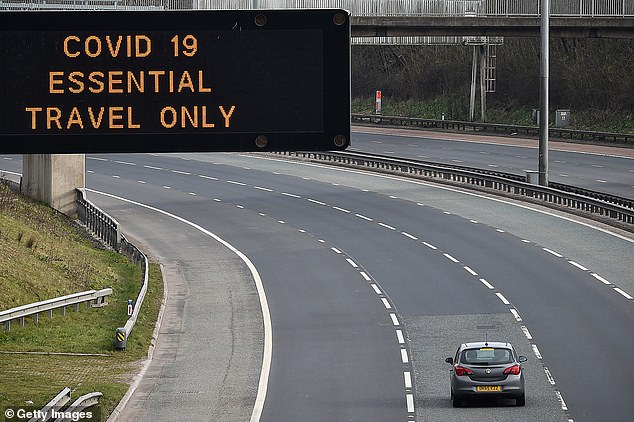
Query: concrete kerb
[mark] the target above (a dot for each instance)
(114, 416)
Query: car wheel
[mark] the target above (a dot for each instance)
(520, 401)
(456, 402)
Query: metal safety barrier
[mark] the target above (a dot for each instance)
(54, 410)
(456, 125)
(101, 224)
(107, 229)
(480, 180)
(94, 296)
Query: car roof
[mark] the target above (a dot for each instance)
(478, 344)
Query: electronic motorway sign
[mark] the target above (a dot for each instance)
(174, 81)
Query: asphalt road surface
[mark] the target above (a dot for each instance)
(371, 282)
(607, 169)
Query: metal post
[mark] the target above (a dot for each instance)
(543, 94)
(474, 74)
(483, 91)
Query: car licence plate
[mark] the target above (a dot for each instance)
(488, 388)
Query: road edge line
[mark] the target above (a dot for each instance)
(266, 316)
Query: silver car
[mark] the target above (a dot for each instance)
(486, 369)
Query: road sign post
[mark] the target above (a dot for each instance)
(174, 81)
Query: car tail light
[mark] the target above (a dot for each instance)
(513, 370)
(460, 371)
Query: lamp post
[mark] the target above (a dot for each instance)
(543, 94)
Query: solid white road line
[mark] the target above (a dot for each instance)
(266, 316)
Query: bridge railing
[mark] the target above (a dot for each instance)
(572, 8)
(568, 8)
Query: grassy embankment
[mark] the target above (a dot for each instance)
(454, 110)
(44, 256)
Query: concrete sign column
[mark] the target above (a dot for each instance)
(53, 178)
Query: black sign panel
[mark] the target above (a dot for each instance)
(86, 82)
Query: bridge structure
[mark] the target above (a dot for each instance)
(477, 23)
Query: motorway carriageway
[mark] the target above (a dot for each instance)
(371, 282)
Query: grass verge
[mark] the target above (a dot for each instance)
(29, 371)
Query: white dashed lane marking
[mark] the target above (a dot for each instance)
(351, 262)
(407, 376)
(503, 299)
(386, 303)
(487, 284)
(557, 254)
(404, 356)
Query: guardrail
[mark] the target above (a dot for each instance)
(480, 180)
(96, 296)
(108, 229)
(57, 402)
(54, 409)
(606, 197)
(416, 122)
(80, 405)
(97, 221)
